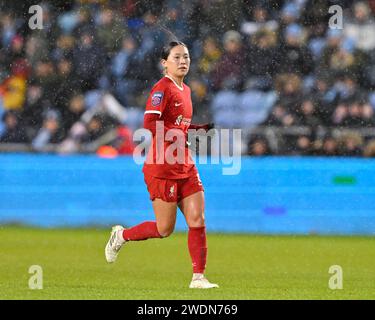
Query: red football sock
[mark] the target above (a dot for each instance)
(143, 231)
(197, 244)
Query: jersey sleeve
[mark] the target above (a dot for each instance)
(157, 100)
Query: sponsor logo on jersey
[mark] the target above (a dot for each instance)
(180, 119)
(156, 99)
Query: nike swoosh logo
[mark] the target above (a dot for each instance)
(178, 104)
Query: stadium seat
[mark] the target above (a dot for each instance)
(372, 99)
(224, 108)
(254, 106)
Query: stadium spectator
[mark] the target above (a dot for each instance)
(276, 117)
(339, 115)
(34, 108)
(14, 53)
(306, 114)
(329, 147)
(36, 49)
(199, 97)
(173, 20)
(110, 30)
(68, 83)
(263, 59)
(51, 131)
(89, 61)
(74, 111)
(125, 67)
(14, 132)
(12, 92)
(361, 27)
(95, 128)
(82, 21)
(256, 19)
(316, 40)
(368, 75)
(212, 16)
(228, 72)
(324, 97)
(314, 13)
(289, 14)
(354, 117)
(345, 88)
(289, 87)
(124, 142)
(258, 146)
(151, 37)
(209, 57)
(44, 74)
(368, 118)
(369, 150)
(350, 144)
(340, 57)
(295, 55)
(64, 48)
(303, 146)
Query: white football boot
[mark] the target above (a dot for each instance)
(199, 281)
(114, 244)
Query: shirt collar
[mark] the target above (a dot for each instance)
(181, 88)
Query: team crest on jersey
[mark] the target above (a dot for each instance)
(178, 120)
(171, 191)
(156, 99)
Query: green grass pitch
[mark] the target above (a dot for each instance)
(245, 266)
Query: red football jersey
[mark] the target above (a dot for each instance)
(174, 106)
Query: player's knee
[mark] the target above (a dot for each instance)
(165, 231)
(197, 220)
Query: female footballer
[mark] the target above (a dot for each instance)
(171, 184)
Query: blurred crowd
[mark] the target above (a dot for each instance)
(268, 67)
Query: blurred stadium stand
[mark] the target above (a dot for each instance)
(256, 65)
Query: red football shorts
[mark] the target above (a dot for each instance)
(172, 190)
